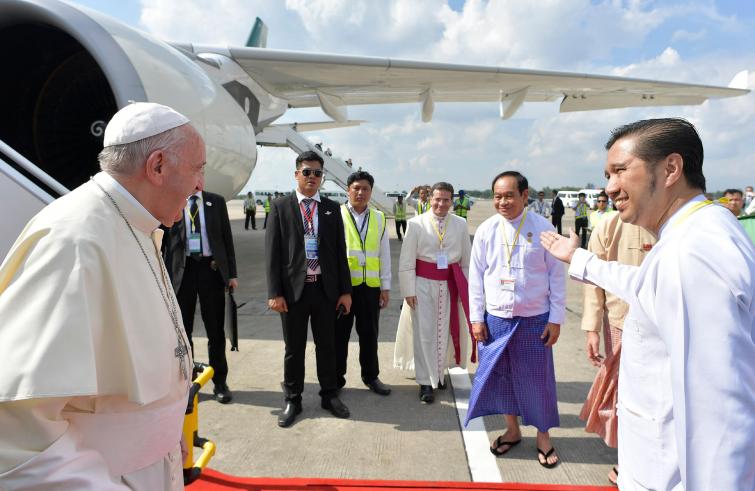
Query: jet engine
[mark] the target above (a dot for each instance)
(69, 69)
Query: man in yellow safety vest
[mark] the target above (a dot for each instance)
(399, 216)
(369, 257)
(461, 205)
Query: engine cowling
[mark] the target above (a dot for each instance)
(69, 69)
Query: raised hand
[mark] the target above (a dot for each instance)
(562, 248)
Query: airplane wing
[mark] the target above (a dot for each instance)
(334, 82)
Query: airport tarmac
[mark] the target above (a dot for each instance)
(394, 437)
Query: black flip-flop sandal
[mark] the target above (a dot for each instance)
(499, 443)
(545, 456)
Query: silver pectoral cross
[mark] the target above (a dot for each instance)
(180, 352)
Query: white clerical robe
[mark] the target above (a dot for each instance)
(92, 396)
(423, 339)
(687, 375)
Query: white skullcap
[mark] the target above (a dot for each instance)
(141, 120)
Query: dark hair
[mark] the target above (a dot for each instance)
(442, 186)
(309, 156)
(734, 191)
(521, 181)
(581, 195)
(360, 176)
(555, 191)
(603, 194)
(659, 138)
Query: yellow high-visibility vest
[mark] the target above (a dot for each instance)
(463, 205)
(364, 257)
(581, 211)
(400, 211)
(422, 207)
(267, 205)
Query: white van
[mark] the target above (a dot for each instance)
(569, 198)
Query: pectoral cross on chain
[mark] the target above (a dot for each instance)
(180, 352)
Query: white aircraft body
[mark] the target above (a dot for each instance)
(69, 69)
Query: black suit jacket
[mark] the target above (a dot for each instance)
(284, 248)
(558, 207)
(218, 228)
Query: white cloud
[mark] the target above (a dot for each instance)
(468, 144)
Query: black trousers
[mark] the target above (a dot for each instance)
(250, 215)
(365, 308)
(580, 224)
(313, 306)
(264, 225)
(400, 224)
(201, 280)
(556, 221)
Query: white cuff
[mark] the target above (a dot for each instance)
(578, 265)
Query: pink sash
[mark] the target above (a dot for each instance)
(458, 290)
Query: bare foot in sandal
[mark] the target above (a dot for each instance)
(505, 442)
(546, 454)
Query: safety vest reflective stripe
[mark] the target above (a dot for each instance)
(369, 271)
(581, 210)
(464, 205)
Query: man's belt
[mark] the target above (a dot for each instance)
(312, 278)
(458, 289)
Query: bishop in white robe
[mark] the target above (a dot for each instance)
(423, 339)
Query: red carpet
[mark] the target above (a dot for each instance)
(215, 481)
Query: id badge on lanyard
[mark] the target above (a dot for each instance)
(195, 243)
(507, 284)
(310, 246)
(441, 259)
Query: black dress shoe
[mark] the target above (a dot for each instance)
(335, 406)
(426, 394)
(287, 417)
(378, 387)
(222, 394)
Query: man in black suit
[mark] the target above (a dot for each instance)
(557, 211)
(202, 263)
(307, 279)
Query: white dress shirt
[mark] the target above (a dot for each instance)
(385, 247)
(539, 278)
(315, 223)
(206, 250)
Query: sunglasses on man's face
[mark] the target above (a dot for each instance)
(308, 172)
(602, 201)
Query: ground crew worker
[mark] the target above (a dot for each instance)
(369, 257)
(581, 221)
(461, 205)
(399, 216)
(250, 210)
(267, 210)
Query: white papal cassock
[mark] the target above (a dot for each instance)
(687, 374)
(423, 339)
(91, 394)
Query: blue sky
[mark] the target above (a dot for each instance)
(691, 41)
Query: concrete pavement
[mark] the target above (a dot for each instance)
(393, 437)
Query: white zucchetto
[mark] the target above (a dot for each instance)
(141, 120)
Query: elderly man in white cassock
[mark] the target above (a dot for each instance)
(96, 366)
(687, 374)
